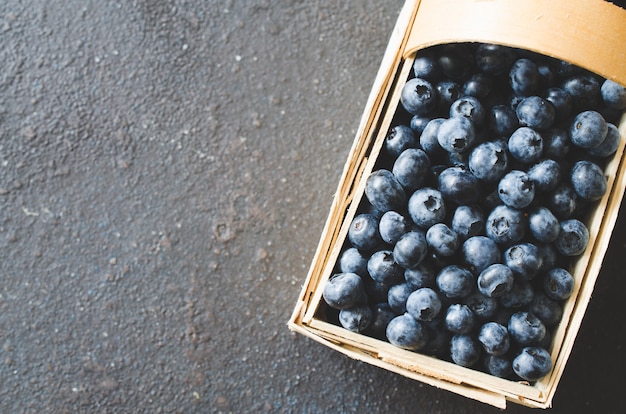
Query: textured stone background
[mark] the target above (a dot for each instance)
(166, 168)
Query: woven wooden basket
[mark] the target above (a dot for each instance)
(588, 33)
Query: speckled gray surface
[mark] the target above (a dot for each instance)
(166, 168)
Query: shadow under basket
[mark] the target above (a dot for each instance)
(590, 34)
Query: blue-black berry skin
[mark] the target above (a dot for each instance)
(549, 311)
(609, 145)
(526, 145)
(442, 239)
(470, 108)
(356, 318)
(418, 96)
(506, 225)
(344, 290)
(484, 307)
(546, 174)
(363, 232)
(543, 225)
(520, 295)
(383, 268)
(494, 338)
(384, 192)
(353, 261)
(411, 168)
(588, 129)
(405, 332)
(516, 189)
(524, 77)
(426, 67)
(382, 314)
(424, 304)
(458, 185)
(499, 366)
(556, 143)
(468, 221)
(532, 364)
(422, 275)
(392, 226)
(456, 134)
(455, 282)
(613, 94)
(426, 207)
(489, 161)
(459, 319)
(584, 90)
(428, 138)
(502, 120)
(397, 296)
(449, 91)
(535, 112)
(561, 101)
(495, 280)
(478, 85)
(562, 201)
(558, 284)
(399, 138)
(494, 59)
(524, 260)
(479, 252)
(410, 249)
(526, 329)
(588, 180)
(464, 350)
(573, 238)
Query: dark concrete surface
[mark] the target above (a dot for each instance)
(166, 168)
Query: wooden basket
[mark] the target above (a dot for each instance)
(588, 33)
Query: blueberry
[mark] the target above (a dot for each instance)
(543, 225)
(546, 174)
(499, 366)
(573, 238)
(561, 101)
(489, 161)
(399, 138)
(424, 304)
(558, 284)
(613, 94)
(442, 239)
(352, 261)
(588, 129)
(455, 61)
(609, 145)
(397, 296)
(363, 232)
(502, 120)
(344, 290)
(383, 269)
(524, 77)
(584, 89)
(532, 364)
(535, 112)
(428, 139)
(494, 59)
(468, 221)
(562, 201)
(455, 282)
(456, 134)
(423, 275)
(525, 145)
(496, 280)
(459, 185)
(547, 310)
(426, 207)
(464, 350)
(459, 319)
(483, 306)
(556, 143)
(382, 314)
(411, 168)
(356, 318)
(549, 256)
(480, 252)
(449, 91)
(520, 295)
(425, 66)
(526, 329)
(418, 96)
(516, 189)
(470, 108)
(384, 192)
(506, 225)
(392, 226)
(405, 332)
(524, 260)
(588, 180)
(479, 85)
(410, 249)
(376, 292)
(418, 124)
(494, 338)
(438, 344)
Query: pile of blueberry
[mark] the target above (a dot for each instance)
(476, 208)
